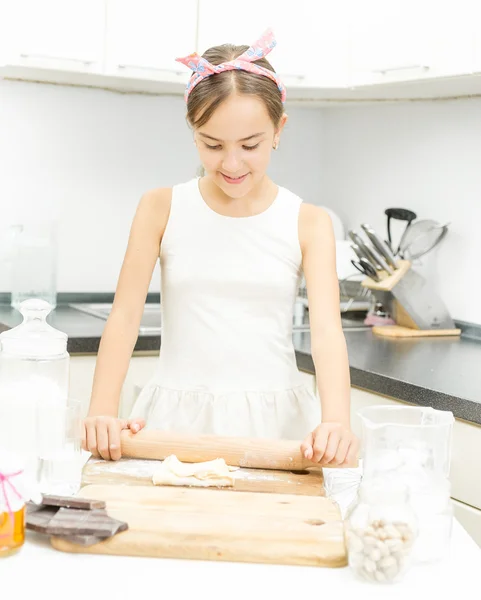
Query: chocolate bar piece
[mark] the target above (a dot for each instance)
(74, 521)
(32, 507)
(69, 502)
(38, 517)
(83, 540)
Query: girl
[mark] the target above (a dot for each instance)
(232, 246)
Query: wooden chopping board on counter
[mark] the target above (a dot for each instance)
(128, 471)
(208, 524)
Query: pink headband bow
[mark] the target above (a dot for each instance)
(203, 68)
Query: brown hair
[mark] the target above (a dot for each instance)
(212, 91)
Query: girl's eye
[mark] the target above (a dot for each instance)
(219, 147)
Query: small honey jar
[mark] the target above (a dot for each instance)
(12, 531)
(12, 510)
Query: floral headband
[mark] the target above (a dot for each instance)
(203, 68)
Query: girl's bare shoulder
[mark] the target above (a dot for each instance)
(310, 212)
(314, 220)
(154, 207)
(157, 200)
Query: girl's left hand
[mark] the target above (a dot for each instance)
(331, 444)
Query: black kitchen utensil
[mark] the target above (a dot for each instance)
(365, 267)
(400, 214)
(368, 251)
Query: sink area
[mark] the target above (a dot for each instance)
(350, 322)
(151, 323)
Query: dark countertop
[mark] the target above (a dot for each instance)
(439, 372)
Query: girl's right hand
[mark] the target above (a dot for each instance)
(101, 435)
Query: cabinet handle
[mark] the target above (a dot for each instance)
(402, 68)
(49, 57)
(144, 68)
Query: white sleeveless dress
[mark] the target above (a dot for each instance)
(227, 363)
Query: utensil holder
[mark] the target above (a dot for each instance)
(416, 308)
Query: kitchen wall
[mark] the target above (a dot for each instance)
(85, 156)
(420, 155)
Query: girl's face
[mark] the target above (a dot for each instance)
(235, 145)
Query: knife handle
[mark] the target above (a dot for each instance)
(379, 244)
(381, 261)
(363, 251)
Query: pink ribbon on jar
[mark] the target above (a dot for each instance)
(4, 482)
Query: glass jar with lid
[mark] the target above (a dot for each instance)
(34, 367)
(380, 529)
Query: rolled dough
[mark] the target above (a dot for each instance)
(212, 473)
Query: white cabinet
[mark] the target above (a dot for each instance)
(311, 49)
(7, 19)
(466, 463)
(81, 378)
(477, 46)
(470, 519)
(82, 368)
(144, 37)
(404, 40)
(361, 399)
(326, 50)
(65, 35)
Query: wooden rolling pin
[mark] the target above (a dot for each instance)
(282, 455)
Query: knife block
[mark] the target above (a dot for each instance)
(417, 310)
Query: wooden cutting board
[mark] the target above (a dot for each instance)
(129, 471)
(407, 332)
(207, 524)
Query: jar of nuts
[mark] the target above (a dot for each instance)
(380, 529)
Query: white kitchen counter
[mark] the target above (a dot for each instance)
(40, 571)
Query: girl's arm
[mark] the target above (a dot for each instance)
(332, 442)
(102, 428)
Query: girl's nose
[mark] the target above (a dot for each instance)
(231, 163)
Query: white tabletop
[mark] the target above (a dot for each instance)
(40, 571)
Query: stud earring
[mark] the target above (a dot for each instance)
(275, 146)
